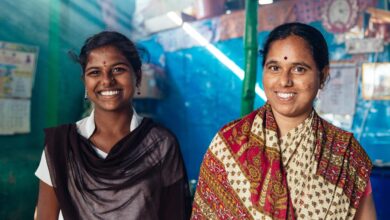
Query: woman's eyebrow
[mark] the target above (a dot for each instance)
(271, 62)
(120, 63)
(302, 64)
(91, 68)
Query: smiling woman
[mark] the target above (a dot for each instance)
(291, 81)
(283, 161)
(113, 164)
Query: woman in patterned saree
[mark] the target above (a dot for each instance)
(283, 161)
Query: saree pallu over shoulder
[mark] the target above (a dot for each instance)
(342, 162)
(243, 175)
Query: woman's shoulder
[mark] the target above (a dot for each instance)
(343, 142)
(338, 136)
(333, 129)
(163, 140)
(160, 132)
(56, 138)
(60, 128)
(246, 119)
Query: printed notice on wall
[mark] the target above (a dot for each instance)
(17, 70)
(339, 93)
(15, 116)
(336, 102)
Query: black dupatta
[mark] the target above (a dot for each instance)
(70, 155)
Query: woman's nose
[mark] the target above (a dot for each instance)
(108, 79)
(285, 79)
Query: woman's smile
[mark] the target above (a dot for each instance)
(109, 93)
(286, 96)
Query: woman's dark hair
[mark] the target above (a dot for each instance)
(313, 38)
(117, 40)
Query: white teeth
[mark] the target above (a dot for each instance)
(285, 95)
(114, 92)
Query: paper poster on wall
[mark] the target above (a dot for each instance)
(336, 102)
(376, 81)
(17, 70)
(15, 116)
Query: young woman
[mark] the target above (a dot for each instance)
(283, 161)
(113, 164)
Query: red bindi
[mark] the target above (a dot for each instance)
(104, 63)
(285, 58)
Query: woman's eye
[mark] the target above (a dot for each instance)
(93, 73)
(299, 69)
(118, 70)
(273, 68)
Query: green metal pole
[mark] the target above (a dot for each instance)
(250, 47)
(53, 64)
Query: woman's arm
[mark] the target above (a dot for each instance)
(175, 202)
(47, 207)
(366, 209)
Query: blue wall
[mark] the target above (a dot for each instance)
(204, 95)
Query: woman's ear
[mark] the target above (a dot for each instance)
(138, 78)
(324, 76)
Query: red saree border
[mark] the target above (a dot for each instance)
(215, 189)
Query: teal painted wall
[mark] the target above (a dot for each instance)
(55, 26)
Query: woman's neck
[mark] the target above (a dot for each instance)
(110, 127)
(113, 122)
(285, 123)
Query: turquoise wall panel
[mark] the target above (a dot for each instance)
(30, 22)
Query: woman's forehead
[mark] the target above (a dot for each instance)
(105, 54)
(289, 48)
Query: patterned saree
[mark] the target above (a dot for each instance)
(315, 171)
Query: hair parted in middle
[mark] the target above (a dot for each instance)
(314, 39)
